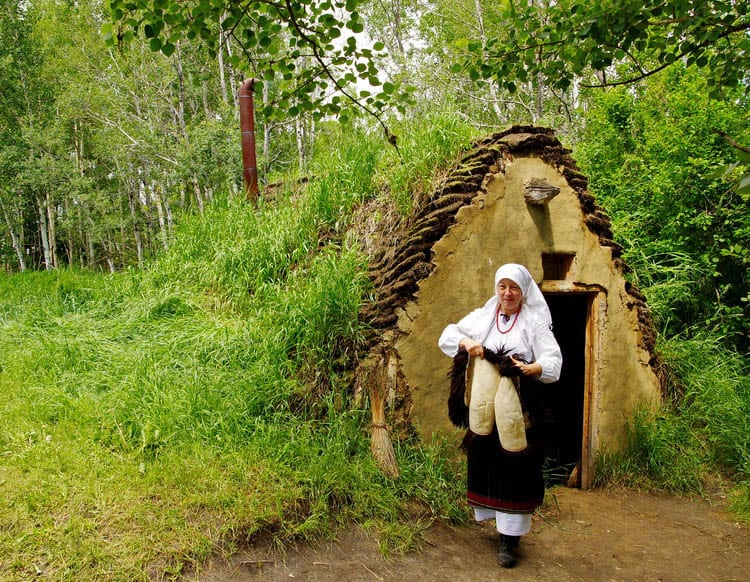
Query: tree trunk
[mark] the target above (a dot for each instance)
(83, 238)
(90, 245)
(44, 233)
(220, 54)
(396, 11)
(168, 213)
(266, 133)
(232, 81)
(162, 221)
(299, 127)
(107, 244)
(180, 93)
(183, 128)
(490, 83)
(136, 228)
(70, 250)
(52, 226)
(198, 193)
(539, 99)
(17, 247)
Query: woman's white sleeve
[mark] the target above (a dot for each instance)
(547, 353)
(469, 327)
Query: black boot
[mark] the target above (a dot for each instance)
(505, 555)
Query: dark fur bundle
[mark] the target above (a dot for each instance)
(503, 362)
(458, 412)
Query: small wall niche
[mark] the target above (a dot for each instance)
(557, 266)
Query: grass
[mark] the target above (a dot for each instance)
(699, 439)
(152, 418)
(149, 419)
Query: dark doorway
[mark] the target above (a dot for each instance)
(564, 399)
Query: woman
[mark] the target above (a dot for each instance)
(508, 485)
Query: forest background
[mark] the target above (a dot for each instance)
(150, 389)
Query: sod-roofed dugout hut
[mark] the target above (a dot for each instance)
(516, 196)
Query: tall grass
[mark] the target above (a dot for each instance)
(700, 438)
(424, 148)
(151, 418)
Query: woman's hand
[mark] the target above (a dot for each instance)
(534, 369)
(473, 347)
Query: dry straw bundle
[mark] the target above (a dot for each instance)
(376, 377)
(380, 444)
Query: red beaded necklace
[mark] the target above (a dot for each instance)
(497, 321)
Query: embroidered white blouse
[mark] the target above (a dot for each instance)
(530, 337)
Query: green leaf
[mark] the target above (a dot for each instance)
(743, 186)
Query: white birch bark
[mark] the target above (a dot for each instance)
(136, 228)
(164, 235)
(220, 55)
(44, 233)
(52, 230)
(483, 35)
(266, 130)
(299, 128)
(17, 247)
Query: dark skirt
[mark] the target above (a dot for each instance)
(498, 479)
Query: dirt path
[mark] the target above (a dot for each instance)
(580, 535)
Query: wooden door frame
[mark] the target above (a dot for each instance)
(595, 311)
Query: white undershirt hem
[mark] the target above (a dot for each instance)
(509, 524)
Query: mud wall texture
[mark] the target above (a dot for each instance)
(443, 266)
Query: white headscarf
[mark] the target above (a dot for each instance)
(533, 300)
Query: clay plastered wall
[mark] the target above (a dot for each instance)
(499, 227)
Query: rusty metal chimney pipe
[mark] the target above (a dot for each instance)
(247, 125)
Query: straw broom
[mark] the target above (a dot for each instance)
(380, 443)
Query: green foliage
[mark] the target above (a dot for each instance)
(433, 141)
(205, 398)
(311, 48)
(661, 454)
(91, 142)
(701, 436)
(561, 41)
(652, 157)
